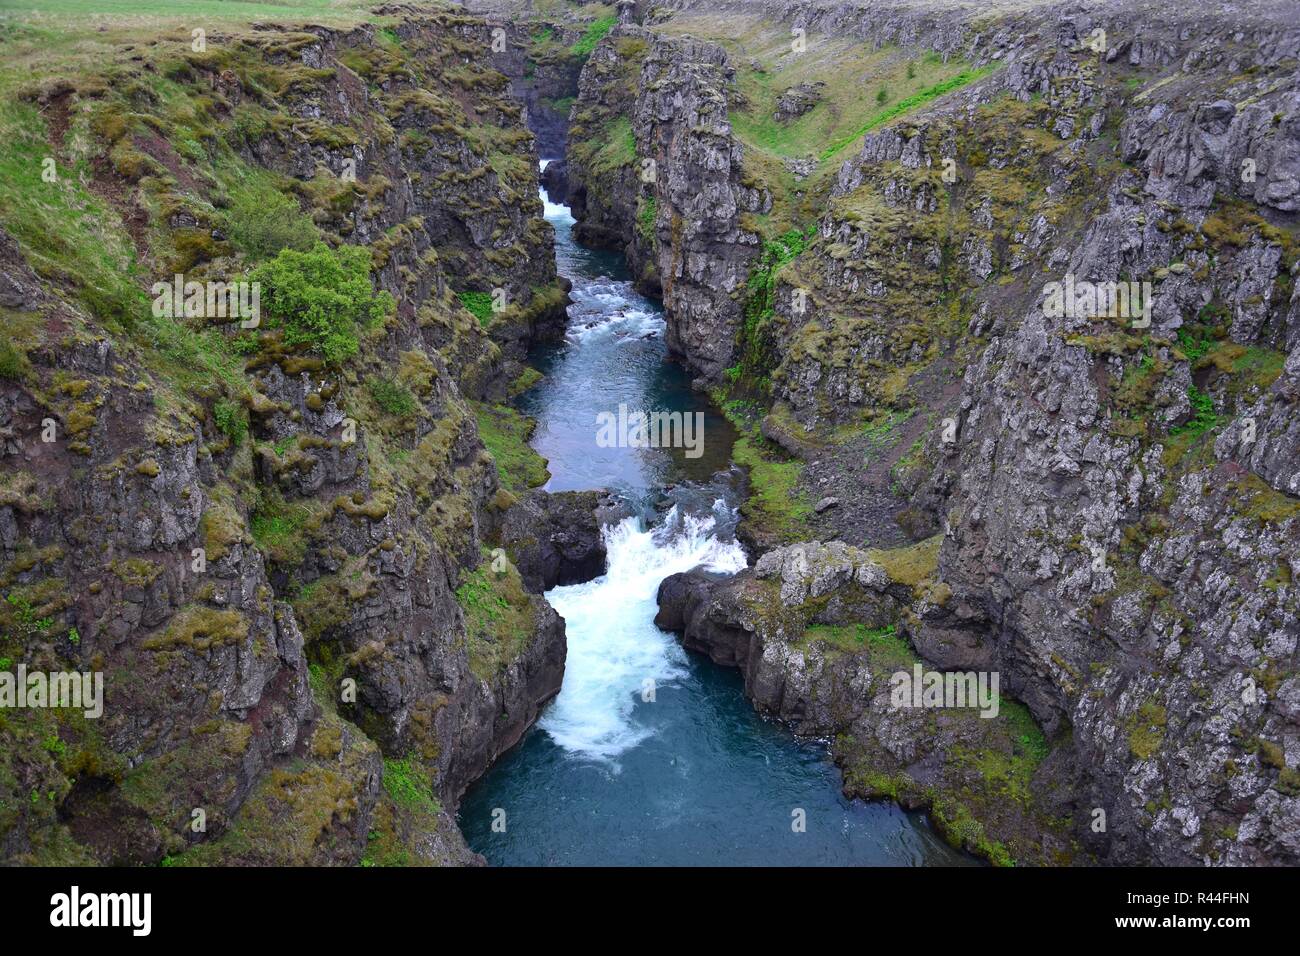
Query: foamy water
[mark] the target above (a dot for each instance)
(614, 646)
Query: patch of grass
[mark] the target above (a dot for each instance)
(645, 219)
(596, 31)
(13, 363)
(392, 396)
(886, 648)
(277, 528)
(65, 230)
(775, 504)
(1263, 503)
(505, 433)
(499, 618)
(479, 304)
(407, 783)
(964, 78)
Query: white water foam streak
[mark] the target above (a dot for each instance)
(614, 646)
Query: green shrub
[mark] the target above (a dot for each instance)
(480, 304)
(1203, 416)
(230, 420)
(392, 396)
(13, 363)
(322, 297)
(262, 221)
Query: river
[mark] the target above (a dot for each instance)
(651, 755)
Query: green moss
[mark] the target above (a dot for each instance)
(505, 433)
(499, 618)
(524, 381)
(1146, 730)
(299, 813)
(198, 628)
(1259, 501)
(776, 504)
(959, 827)
(137, 572)
(325, 604)
(913, 565)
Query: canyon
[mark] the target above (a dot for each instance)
(309, 560)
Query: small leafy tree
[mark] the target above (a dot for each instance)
(230, 420)
(392, 396)
(322, 297)
(262, 221)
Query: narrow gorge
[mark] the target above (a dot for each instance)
(988, 316)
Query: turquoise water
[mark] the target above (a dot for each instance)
(651, 755)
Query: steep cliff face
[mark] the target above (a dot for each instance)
(659, 175)
(542, 52)
(1115, 499)
(269, 538)
(1128, 495)
(604, 182)
(698, 196)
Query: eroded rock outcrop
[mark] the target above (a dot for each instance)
(820, 632)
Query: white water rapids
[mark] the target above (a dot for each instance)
(614, 646)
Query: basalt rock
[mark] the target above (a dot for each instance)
(555, 538)
(819, 633)
(797, 100)
(555, 179)
(670, 190)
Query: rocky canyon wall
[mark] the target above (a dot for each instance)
(276, 551)
(1100, 508)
